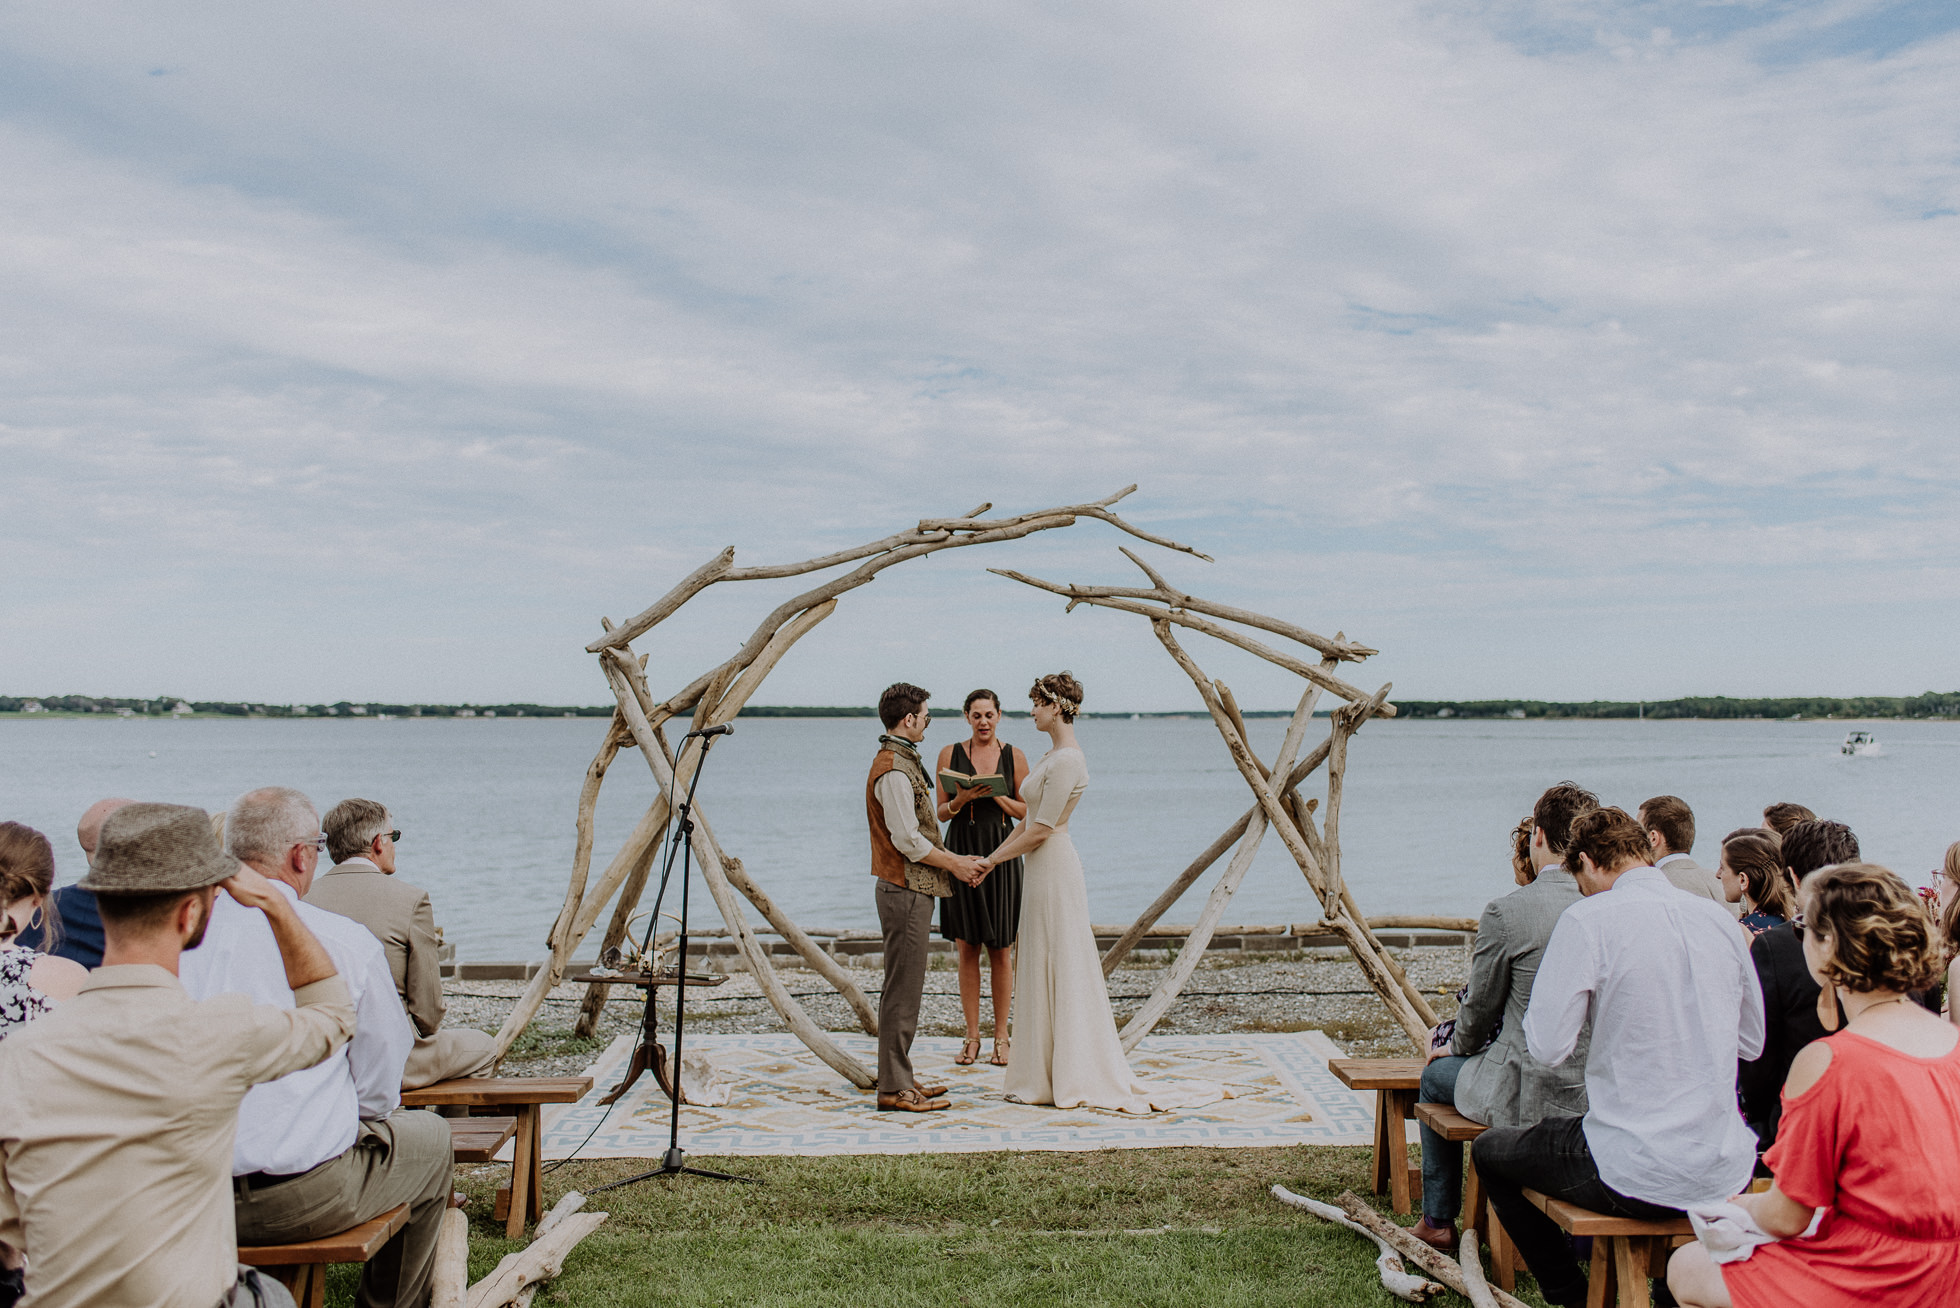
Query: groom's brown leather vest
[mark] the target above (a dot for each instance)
(887, 863)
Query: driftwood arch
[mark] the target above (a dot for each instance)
(718, 695)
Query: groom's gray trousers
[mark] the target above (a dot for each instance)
(905, 916)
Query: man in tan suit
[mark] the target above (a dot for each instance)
(1670, 827)
(362, 885)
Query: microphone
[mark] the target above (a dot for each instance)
(725, 729)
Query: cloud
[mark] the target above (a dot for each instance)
(1454, 324)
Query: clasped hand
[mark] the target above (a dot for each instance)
(972, 869)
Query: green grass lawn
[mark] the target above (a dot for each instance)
(1122, 1227)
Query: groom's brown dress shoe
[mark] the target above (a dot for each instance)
(929, 1091)
(910, 1101)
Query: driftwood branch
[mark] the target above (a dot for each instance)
(1178, 614)
(1439, 1265)
(541, 1260)
(1395, 1279)
(449, 1286)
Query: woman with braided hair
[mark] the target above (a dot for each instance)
(1066, 1052)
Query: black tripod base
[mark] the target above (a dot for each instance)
(674, 1164)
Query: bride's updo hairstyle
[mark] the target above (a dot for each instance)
(1060, 689)
(1877, 935)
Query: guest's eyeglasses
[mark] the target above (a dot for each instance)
(318, 842)
(394, 837)
(1797, 925)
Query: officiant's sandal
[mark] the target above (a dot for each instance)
(911, 1101)
(968, 1052)
(1000, 1051)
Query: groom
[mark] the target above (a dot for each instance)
(914, 870)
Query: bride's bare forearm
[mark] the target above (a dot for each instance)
(1027, 837)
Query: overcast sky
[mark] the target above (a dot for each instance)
(1562, 350)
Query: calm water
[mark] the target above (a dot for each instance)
(487, 807)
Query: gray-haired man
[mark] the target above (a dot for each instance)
(362, 885)
(325, 1149)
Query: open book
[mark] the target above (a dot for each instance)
(995, 783)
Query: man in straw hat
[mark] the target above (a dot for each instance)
(115, 1145)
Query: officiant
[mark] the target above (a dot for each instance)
(985, 916)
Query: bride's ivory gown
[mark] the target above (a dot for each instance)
(1065, 1048)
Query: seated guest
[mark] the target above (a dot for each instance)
(1947, 914)
(120, 1105)
(73, 930)
(1781, 817)
(1484, 1068)
(1796, 1010)
(1871, 1125)
(1664, 979)
(322, 1150)
(31, 981)
(1753, 878)
(1670, 827)
(362, 885)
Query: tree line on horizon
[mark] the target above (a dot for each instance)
(1932, 704)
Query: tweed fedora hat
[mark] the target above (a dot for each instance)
(153, 849)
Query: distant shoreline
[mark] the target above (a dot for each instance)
(1931, 706)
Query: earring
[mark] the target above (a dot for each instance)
(35, 921)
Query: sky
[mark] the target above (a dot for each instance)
(1559, 350)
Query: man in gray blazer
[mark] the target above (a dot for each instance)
(1484, 1069)
(1670, 827)
(362, 885)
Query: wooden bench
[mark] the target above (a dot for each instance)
(1625, 1251)
(302, 1267)
(1395, 1082)
(525, 1097)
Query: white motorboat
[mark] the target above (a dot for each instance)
(1860, 744)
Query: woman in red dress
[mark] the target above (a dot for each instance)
(1871, 1125)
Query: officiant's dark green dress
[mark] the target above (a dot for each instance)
(990, 913)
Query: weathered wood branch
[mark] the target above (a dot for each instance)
(1078, 595)
(1367, 955)
(667, 605)
(541, 1260)
(1439, 1265)
(1395, 1279)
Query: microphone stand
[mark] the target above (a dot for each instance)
(674, 1163)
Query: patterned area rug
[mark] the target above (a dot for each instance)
(784, 1101)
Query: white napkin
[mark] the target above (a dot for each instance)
(1728, 1231)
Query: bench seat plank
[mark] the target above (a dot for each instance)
(1574, 1220)
(477, 1139)
(500, 1091)
(1445, 1121)
(352, 1246)
(1377, 1073)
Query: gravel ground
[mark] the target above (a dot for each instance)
(1227, 993)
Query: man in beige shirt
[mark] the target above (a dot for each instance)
(115, 1146)
(362, 885)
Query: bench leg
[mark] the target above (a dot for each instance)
(1503, 1257)
(1384, 1110)
(306, 1281)
(1632, 1259)
(1402, 1106)
(523, 1171)
(1473, 1198)
(1599, 1280)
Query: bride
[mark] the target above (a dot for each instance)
(1065, 1048)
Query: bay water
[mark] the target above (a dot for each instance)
(487, 806)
